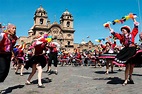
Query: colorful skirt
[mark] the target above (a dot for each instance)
(125, 54)
(137, 58)
(107, 56)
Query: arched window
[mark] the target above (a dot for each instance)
(41, 21)
(68, 43)
(68, 24)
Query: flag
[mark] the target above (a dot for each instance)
(88, 36)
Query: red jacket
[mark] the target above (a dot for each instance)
(39, 48)
(122, 38)
(53, 47)
(20, 53)
(6, 44)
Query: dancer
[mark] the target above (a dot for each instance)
(108, 49)
(37, 62)
(127, 39)
(77, 57)
(97, 53)
(140, 41)
(7, 42)
(53, 53)
(21, 60)
(14, 60)
(138, 56)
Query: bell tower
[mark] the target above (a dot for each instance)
(40, 17)
(66, 20)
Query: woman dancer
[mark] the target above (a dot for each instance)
(53, 56)
(21, 60)
(127, 39)
(7, 42)
(108, 49)
(37, 62)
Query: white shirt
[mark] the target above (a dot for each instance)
(1, 36)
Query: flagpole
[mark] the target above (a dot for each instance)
(139, 12)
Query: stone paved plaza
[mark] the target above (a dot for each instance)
(74, 80)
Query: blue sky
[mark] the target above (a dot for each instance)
(89, 15)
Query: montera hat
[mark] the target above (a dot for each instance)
(126, 28)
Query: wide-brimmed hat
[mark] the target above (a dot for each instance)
(108, 42)
(126, 28)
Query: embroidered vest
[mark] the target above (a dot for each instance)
(6, 44)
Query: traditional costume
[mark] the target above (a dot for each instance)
(38, 57)
(53, 53)
(128, 42)
(6, 45)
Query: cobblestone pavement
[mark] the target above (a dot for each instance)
(74, 80)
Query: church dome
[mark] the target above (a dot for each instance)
(83, 42)
(66, 13)
(40, 10)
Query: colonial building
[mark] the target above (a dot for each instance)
(85, 46)
(62, 32)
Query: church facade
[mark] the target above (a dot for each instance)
(62, 33)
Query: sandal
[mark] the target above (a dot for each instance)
(28, 83)
(41, 86)
(106, 73)
(124, 84)
(56, 72)
(47, 71)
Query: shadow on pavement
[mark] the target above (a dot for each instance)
(44, 80)
(26, 73)
(112, 80)
(9, 89)
(137, 74)
(100, 72)
(103, 72)
(51, 72)
(115, 80)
